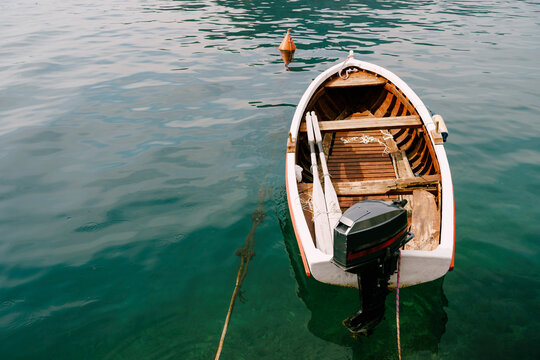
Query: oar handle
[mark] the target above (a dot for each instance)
(316, 128)
(318, 137)
(311, 143)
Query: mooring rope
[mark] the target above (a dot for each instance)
(397, 305)
(348, 71)
(245, 253)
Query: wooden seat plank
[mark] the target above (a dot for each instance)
(382, 187)
(356, 79)
(369, 123)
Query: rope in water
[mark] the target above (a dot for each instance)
(397, 305)
(245, 253)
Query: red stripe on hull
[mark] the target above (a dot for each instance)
(454, 244)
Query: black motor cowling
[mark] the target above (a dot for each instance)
(366, 242)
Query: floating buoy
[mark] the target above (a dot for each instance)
(287, 48)
(287, 44)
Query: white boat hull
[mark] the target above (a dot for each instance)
(417, 266)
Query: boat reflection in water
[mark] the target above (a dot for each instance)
(422, 315)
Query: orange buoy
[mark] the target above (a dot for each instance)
(287, 44)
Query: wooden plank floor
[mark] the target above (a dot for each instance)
(351, 160)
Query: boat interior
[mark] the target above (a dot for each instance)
(376, 147)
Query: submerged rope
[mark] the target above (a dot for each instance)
(397, 305)
(246, 254)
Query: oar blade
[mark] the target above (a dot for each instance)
(331, 198)
(332, 203)
(323, 234)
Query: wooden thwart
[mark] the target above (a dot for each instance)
(383, 187)
(387, 186)
(369, 123)
(357, 79)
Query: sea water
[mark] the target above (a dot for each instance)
(134, 139)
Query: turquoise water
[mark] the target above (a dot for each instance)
(135, 136)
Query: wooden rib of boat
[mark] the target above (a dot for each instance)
(380, 143)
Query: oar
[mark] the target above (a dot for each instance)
(323, 235)
(332, 203)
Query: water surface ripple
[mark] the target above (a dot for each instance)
(135, 136)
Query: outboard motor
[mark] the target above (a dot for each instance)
(366, 242)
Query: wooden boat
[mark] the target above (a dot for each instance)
(379, 143)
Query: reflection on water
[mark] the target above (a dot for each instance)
(422, 315)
